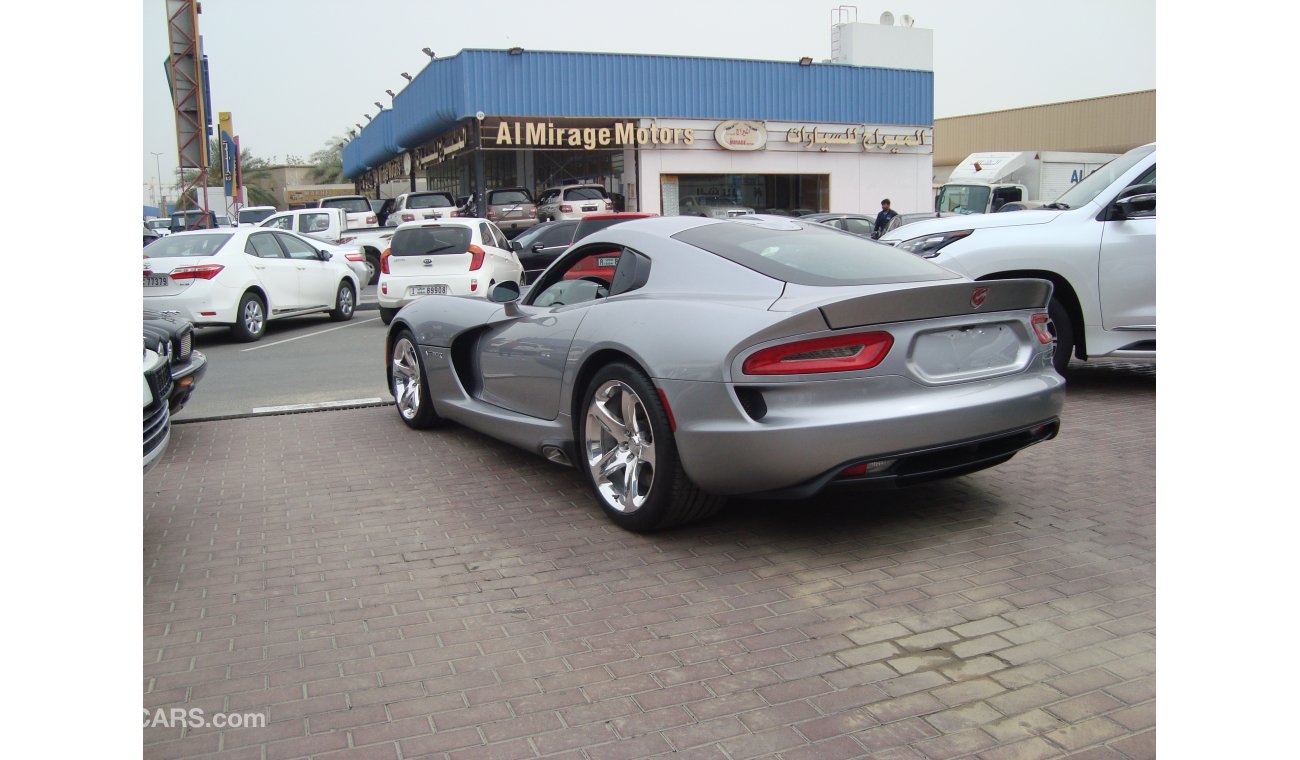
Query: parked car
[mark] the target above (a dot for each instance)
(192, 219)
(244, 276)
(512, 209)
(903, 220)
(160, 226)
(172, 337)
(251, 216)
(572, 202)
(539, 246)
(157, 420)
(1096, 243)
(357, 207)
(417, 207)
(769, 357)
(361, 248)
(712, 206)
(862, 225)
(460, 256)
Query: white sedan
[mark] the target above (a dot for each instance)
(244, 276)
(461, 256)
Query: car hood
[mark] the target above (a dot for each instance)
(972, 222)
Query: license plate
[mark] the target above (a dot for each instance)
(155, 282)
(977, 348)
(428, 290)
(607, 261)
(588, 208)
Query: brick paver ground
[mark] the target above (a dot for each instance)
(380, 593)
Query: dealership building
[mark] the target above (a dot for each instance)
(659, 132)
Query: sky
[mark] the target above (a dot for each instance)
(296, 73)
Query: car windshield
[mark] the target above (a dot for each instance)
(158, 224)
(584, 194)
(1091, 186)
(429, 200)
(500, 197)
(431, 239)
(963, 199)
(254, 215)
(350, 205)
(811, 254)
(188, 245)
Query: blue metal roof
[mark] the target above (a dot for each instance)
(607, 85)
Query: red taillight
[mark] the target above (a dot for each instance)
(1042, 328)
(370, 220)
(408, 217)
(476, 258)
(609, 205)
(566, 209)
(454, 213)
(383, 261)
(492, 214)
(838, 353)
(200, 272)
(354, 256)
(532, 211)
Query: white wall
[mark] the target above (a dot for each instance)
(887, 47)
(857, 181)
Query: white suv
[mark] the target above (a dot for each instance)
(417, 207)
(573, 202)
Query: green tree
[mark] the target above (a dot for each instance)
(256, 174)
(327, 163)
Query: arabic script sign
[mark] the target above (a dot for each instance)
(741, 135)
(816, 137)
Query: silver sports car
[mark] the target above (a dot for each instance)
(676, 361)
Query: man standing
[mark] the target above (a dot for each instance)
(882, 219)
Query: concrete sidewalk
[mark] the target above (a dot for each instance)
(375, 592)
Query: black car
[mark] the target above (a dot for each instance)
(173, 337)
(538, 246)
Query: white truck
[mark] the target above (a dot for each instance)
(331, 226)
(984, 182)
(1096, 244)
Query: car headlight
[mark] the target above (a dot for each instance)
(930, 245)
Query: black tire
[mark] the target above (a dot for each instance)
(387, 315)
(372, 266)
(409, 383)
(250, 318)
(670, 498)
(345, 303)
(1064, 330)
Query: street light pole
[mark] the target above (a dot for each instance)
(157, 165)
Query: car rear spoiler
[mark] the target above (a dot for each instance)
(935, 301)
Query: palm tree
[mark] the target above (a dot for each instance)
(256, 174)
(327, 163)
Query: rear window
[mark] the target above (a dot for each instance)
(431, 240)
(811, 254)
(350, 205)
(429, 200)
(585, 194)
(253, 216)
(498, 197)
(188, 245)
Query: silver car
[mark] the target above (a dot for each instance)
(677, 361)
(714, 206)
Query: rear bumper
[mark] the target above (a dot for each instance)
(457, 285)
(202, 303)
(795, 438)
(513, 227)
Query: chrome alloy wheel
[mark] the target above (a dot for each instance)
(253, 317)
(346, 301)
(406, 378)
(620, 447)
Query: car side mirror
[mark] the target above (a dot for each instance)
(505, 292)
(516, 246)
(325, 255)
(1136, 201)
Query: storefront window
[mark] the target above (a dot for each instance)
(723, 195)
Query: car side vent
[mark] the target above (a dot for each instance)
(751, 400)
